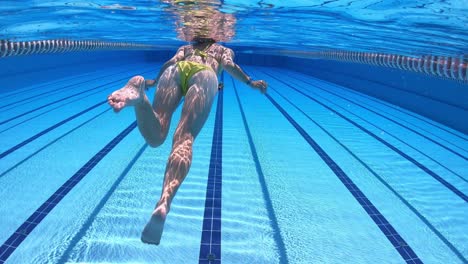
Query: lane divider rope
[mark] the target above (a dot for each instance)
(19, 48)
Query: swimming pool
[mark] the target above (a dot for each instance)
(294, 168)
(321, 169)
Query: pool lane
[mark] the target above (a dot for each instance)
(249, 224)
(7, 170)
(51, 96)
(411, 117)
(393, 236)
(210, 245)
(15, 240)
(458, 190)
(29, 136)
(38, 114)
(33, 176)
(403, 96)
(19, 112)
(437, 132)
(359, 146)
(408, 143)
(101, 219)
(46, 103)
(47, 130)
(51, 168)
(58, 87)
(17, 92)
(113, 233)
(318, 217)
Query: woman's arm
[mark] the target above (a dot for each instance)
(177, 57)
(233, 69)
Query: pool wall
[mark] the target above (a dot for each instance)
(444, 101)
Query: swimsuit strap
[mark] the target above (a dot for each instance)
(202, 53)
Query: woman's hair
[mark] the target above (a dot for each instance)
(205, 25)
(203, 40)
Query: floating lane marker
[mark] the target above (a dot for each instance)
(210, 245)
(28, 226)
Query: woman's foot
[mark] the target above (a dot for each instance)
(154, 228)
(131, 94)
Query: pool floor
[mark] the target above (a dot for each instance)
(311, 172)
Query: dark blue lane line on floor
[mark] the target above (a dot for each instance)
(392, 235)
(210, 245)
(379, 178)
(65, 98)
(361, 78)
(389, 133)
(283, 256)
(33, 221)
(89, 221)
(35, 87)
(63, 79)
(52, 142)
(47, 130)
(48, 111)
(394, 107)
(35, 96)
(406, 156)
(396, 122)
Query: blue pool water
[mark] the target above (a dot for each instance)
(340, 162)
(281, 198)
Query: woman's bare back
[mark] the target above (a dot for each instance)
(207, 54)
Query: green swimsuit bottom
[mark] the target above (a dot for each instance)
(187, 69)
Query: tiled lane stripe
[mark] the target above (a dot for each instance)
(396, 122)
(392, 235)
(47, 130)
(61, 99)
(406, 156)
(389, 187)
(28, 226)
(210, 246)
(283, 257)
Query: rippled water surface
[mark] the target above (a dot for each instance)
(406, 27)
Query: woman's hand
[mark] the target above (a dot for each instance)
(260, 85)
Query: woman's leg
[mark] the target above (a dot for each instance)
(197, 106)
(153, 121)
